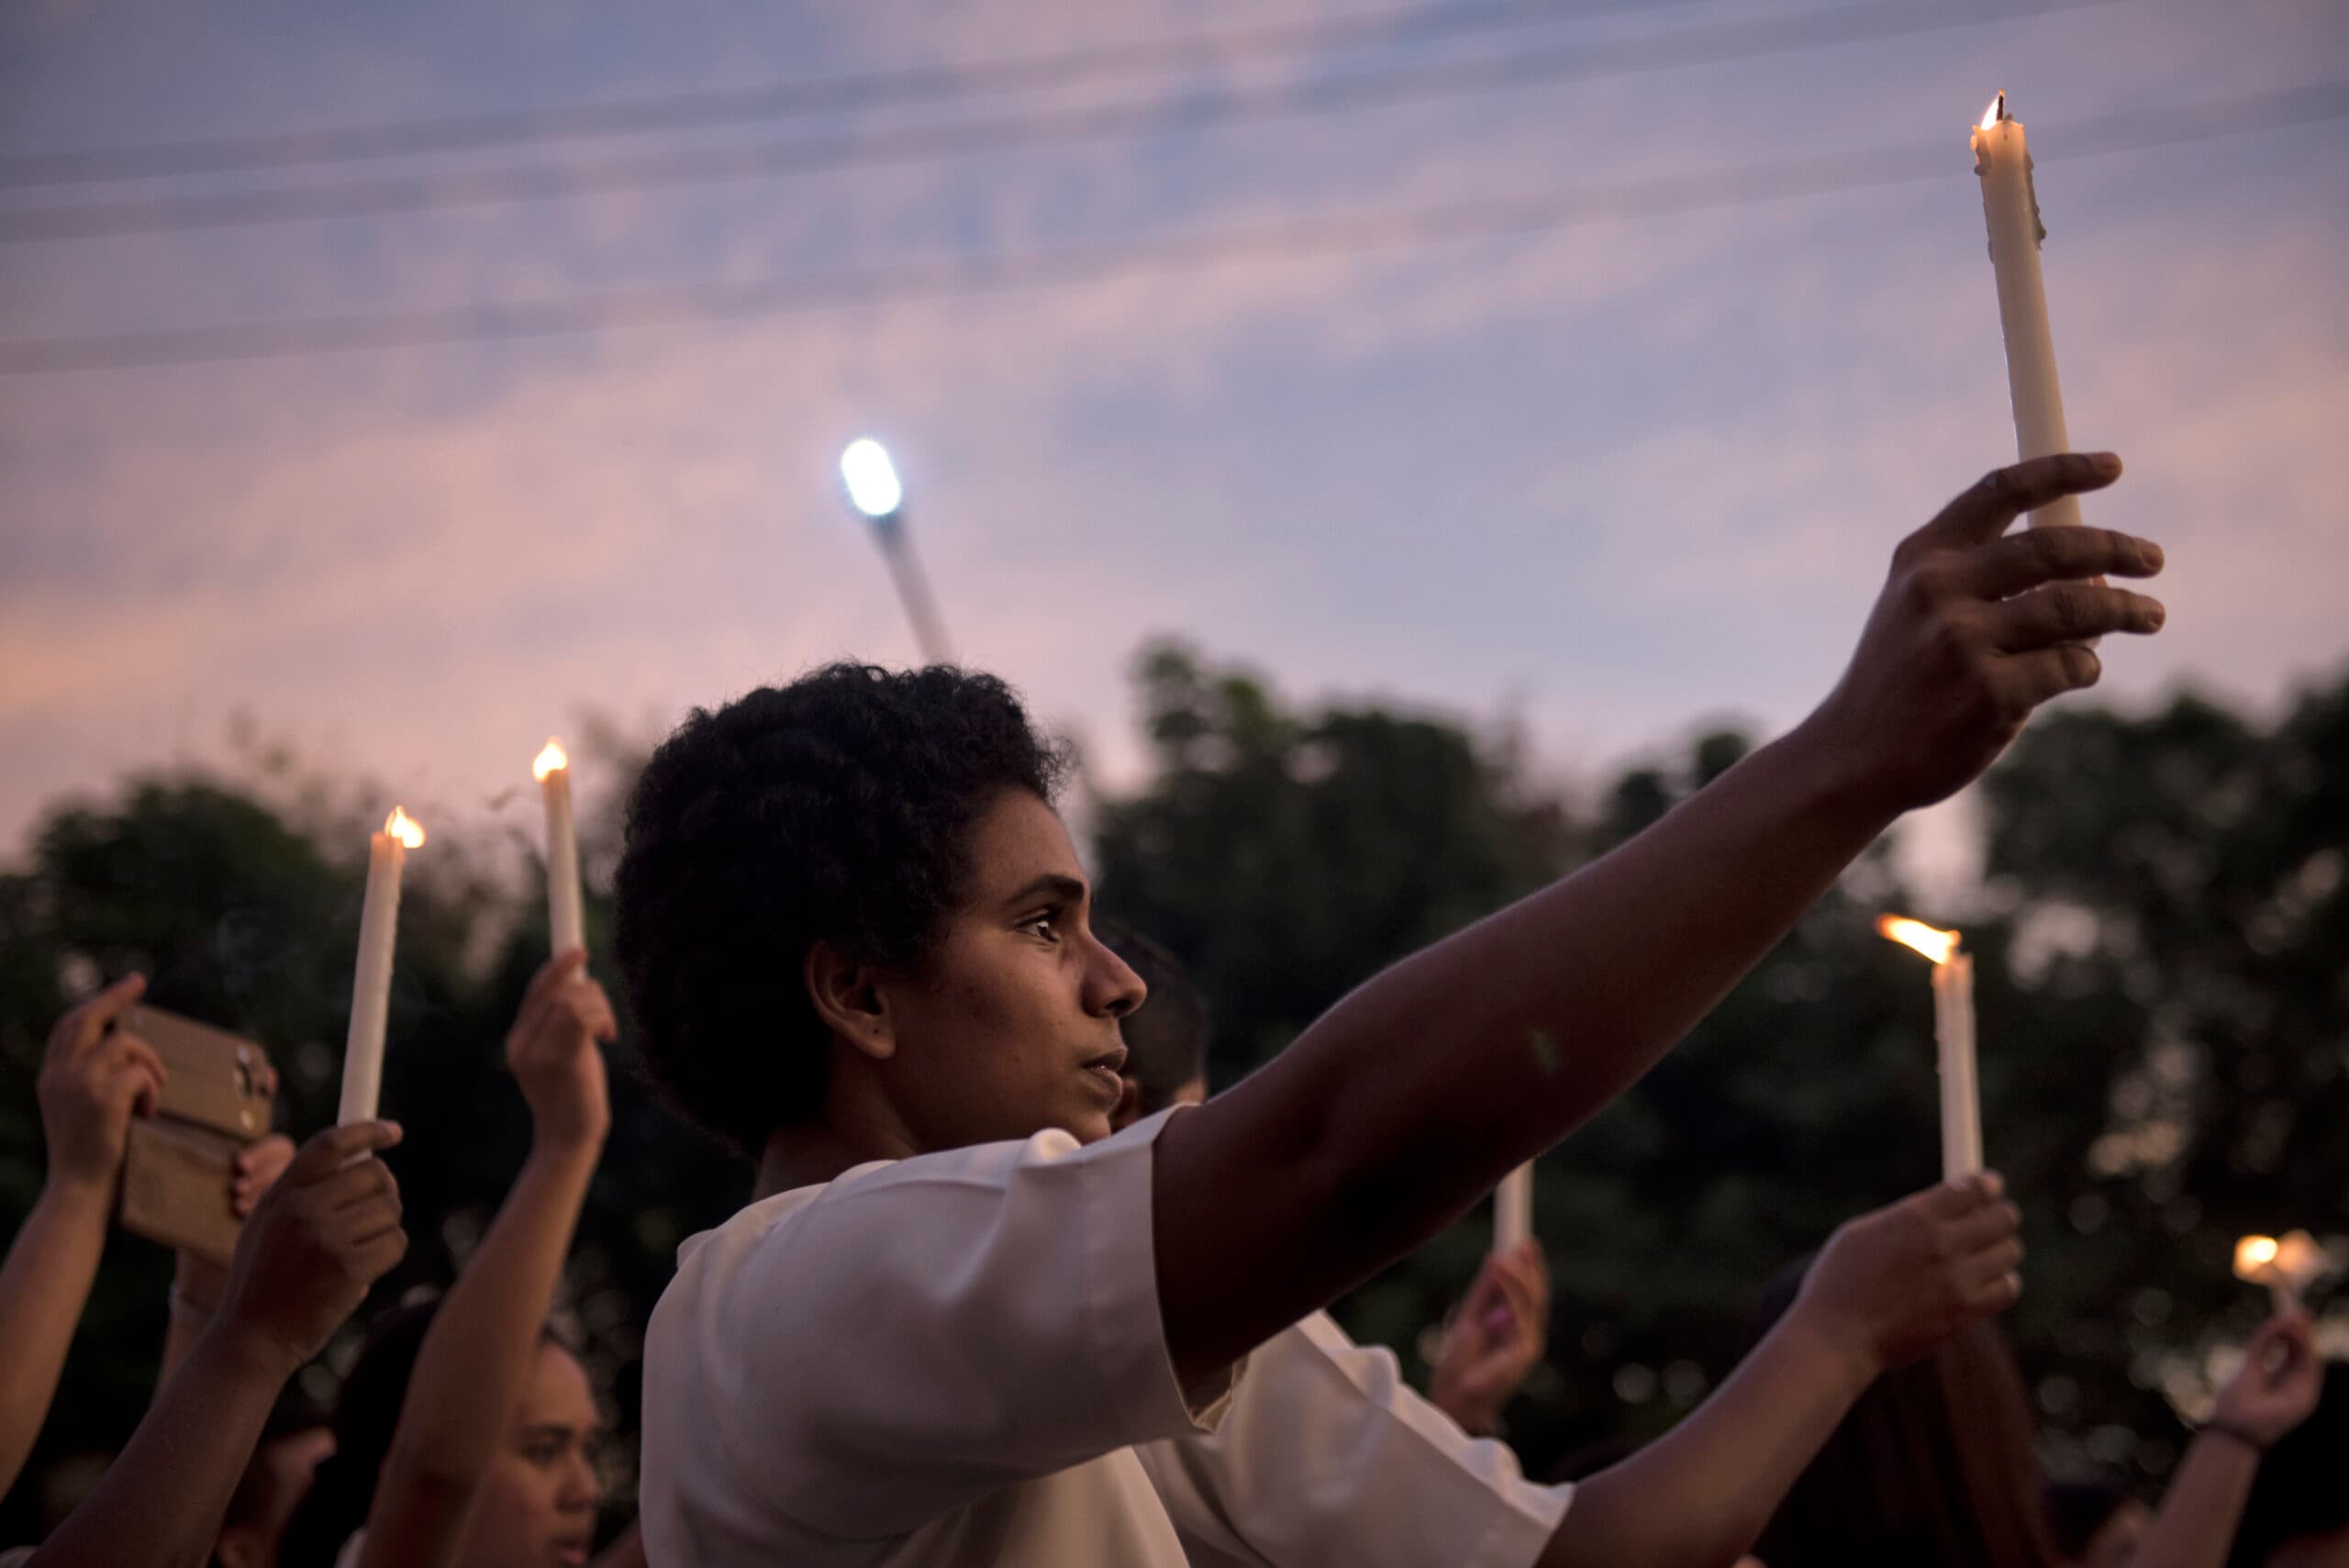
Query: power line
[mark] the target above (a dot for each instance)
(1867, 21)
(712, 107)
(1471, 218)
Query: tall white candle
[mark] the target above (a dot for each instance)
(2010, 208)
(371, 985)
(566, 918)
(1954, 1039)
(1513, 1209)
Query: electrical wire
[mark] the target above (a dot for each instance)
(1777, 179)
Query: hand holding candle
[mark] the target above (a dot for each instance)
(371, 985)
(567, 917)
(1952, 1038)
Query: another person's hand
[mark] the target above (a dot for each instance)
(326, 1230)
(1496, 1338)
(1974, 630)
(552, 1052)
(258, 1164)
(93, 1081)
(2279, 1384)
(1890, 1285)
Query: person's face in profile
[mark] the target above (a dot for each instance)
(1011, 1025)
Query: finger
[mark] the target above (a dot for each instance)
(2025, 681)
(1994, 1295)
(1482, 1292)
(381, 1254)
(1983, 510)
(131, 1051)
(1985, 1226)
(1949, 1201)
(86, 1025)
(361, 1182)
(326, 1151)
(1979, 1268)
(2005, 567)
(2069, 612)
(363, 1223)
(554, 971)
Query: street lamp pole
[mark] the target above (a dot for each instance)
(875, 491)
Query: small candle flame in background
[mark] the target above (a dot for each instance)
(548, 761)
(1995, 112)
(1933, 943)
(2254, 1256)
(403, 828)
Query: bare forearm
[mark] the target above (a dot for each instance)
(474, 1362)
(43, 1286)
(2195, 1526)
(1700, 1494)
(1410, 1099)
(196, 1284)
(161, 1502)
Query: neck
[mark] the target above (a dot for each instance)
(853, 1129)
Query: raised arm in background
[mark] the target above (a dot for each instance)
(94, 1079)
(1407, 1101)
(325, 1232)
(2281, 1380)
(481, 1347)
(1888, 1287)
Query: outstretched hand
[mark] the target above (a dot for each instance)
(93, 1078)
(1976, 628)
(1890, 1285)
(2280, 1382)
(552, 1052)
(1494, 1338)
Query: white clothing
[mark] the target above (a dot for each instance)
(1327, 1456)
(940, 1360)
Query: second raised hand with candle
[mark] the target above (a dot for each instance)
(566, 909)
(2010, 210)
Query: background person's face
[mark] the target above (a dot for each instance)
(1012, 1025)
(536, 1508)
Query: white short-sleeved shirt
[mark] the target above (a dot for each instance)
(1327, 1456)
(940, 1360)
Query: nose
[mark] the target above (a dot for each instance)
(1113, 989)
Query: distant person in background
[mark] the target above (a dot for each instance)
(1937, 1464)
(276, 1479)
(464, 1436)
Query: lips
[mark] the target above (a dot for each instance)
(1102, 1071)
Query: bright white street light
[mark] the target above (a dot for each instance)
(872, 481)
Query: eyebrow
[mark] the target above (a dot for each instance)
(1066, 889)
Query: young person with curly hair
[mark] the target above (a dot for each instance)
(857, 940)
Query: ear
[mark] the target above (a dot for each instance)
(849, 996)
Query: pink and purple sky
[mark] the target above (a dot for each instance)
(1606, 481)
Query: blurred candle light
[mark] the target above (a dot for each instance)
(2286, 1265)
(872, 480)
(371, 983)
(2010, 208)
(566, 912)
(1952, 1039)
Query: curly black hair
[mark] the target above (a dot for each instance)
(837, 808)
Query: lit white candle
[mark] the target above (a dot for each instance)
(1513, 1209)
(371, 983)
(566, 918)
(2286, 1265)
(1953, 1040)
(2010, 208)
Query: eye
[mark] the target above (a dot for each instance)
(1043, 927)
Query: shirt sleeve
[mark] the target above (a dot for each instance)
(925, 1332)
(1327, 1455)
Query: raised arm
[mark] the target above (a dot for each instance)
(92, 1082)
(2278, 1388)
(1410, 1099)
(324, 1233)
(197, 1282)
(1887, 1288)
(478, 1352)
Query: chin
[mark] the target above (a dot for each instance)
(1089, 1124)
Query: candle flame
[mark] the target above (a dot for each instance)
(1995, 112)
(1937, 945)
(548, 761)
(401, 826)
